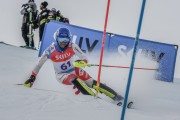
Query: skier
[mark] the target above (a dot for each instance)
(68, 71)
(29, 13)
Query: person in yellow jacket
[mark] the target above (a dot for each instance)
(57, 16)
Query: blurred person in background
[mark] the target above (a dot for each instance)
(41, 20)
(29, 13)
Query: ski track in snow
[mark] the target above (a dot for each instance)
(153, 100)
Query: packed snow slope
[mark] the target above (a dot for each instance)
(50, 100)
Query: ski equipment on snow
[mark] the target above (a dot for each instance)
(27, 47)
(129, 104)
(31, 34)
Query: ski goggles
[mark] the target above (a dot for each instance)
(63, 39)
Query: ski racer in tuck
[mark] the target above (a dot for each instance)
(68, 71)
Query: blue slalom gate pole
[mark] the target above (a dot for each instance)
(133, 60)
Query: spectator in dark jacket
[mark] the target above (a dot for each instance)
(42, 19)
(56, 15)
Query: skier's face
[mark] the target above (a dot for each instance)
(41, 7)
(63, 41)
(63, 44)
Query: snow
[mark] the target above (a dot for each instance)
(50, 100)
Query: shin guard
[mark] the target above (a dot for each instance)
(105, 89)
(82, 87)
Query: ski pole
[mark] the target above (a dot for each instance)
(90, 65)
